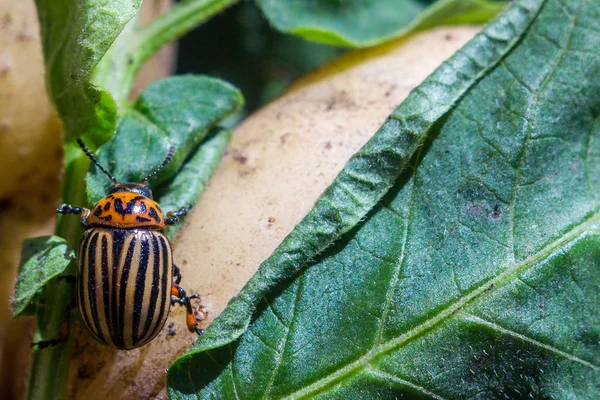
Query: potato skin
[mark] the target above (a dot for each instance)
(278, 163)
(30, 152)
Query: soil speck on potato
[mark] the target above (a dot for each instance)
(239, 156)
(5, 68)
(5, 126)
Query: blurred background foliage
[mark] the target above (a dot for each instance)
(241, 47)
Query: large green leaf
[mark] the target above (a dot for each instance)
(359, 23)
(75, 36)
(42, 258)
(477, 275)
(176, 111)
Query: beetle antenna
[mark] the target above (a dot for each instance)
(95, 161)
(161, 166)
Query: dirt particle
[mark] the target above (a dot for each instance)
(330, 104)
(390, 90)
(5, 68)
(480, 361)
(328, 145)
(5, 126)
(239, 156)
(448, 37)
(496, 212)
(284, 138)
(271, 220)
(85, 372)
(26, 35)
(5, 21)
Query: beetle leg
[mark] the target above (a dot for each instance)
(185, 300)
(174, 216)
(67, 209)
(176, 273)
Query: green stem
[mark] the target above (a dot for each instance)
(170, 26)
(50, 366)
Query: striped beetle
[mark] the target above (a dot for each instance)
(126, 278)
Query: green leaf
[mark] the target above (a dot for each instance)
(42, 258)
(358, 23)
(75, 36)
(176, 111)
(189, 183)
(477, 274)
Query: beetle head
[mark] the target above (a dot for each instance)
(141, 187)
(138, 188)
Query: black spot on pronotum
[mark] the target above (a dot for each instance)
(107, 206)
(97, 211)
(106, 218)
(154, 215)
(139, 198)
(142, 219)
(124, 211)
(119, 206)
(143, 208)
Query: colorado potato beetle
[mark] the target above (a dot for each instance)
(126, 278)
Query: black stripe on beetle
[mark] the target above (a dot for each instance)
(154, 293)
(124, 281)
(166, 279)
(84, 278)
(107, 280)
(91, 286)
(140, 285)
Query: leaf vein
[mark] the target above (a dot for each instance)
(389, 377)
(591, 224)
(506, 331)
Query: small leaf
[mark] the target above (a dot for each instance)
(359, 23)
(476, 274)
(189, 183)
(176, 111)
(42, 258)
(75, 36)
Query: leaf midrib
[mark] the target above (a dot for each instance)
(591, 224)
